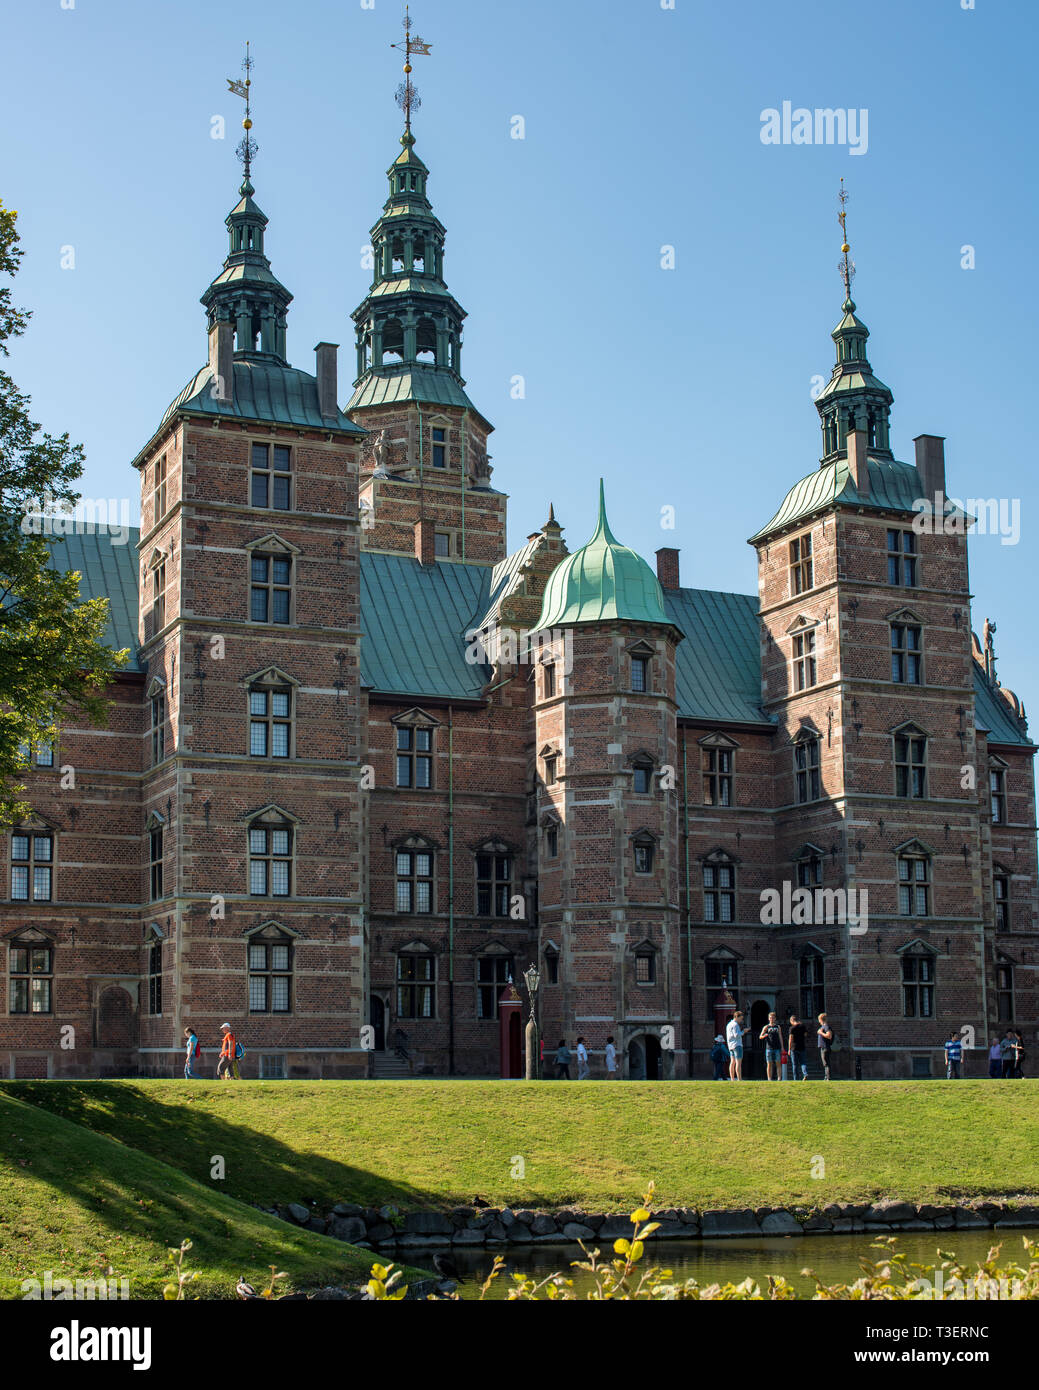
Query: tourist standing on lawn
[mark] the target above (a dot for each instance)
(995, 1060)
(734, 1034)
(772, 1036)
(583, 1069)
(1006, 1053)
(192, 1050)
(953, 1056)
(1018, 1053)
(796, 1047)
(227, 1066)
(824, 1036)
(562, 1061)
(611, 1059)
(719, 1056)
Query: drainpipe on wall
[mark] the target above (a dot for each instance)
(450, 891)
(465, 416)
(688, 897)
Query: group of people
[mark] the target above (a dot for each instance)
(231, 1053)
(564, 1057)
(1006, 1054)
(727, 1052)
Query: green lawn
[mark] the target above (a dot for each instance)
(419, 1143)
(76, 1203)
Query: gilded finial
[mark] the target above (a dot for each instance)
(407, 94)
(846, 266)
(247, 147)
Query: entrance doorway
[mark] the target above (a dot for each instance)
(377, 1012)
(645, 1059)
(636, 1060)
(753, 1050)
(654, 1068)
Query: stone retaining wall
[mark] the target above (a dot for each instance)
(389, 1230)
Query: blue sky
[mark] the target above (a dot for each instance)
(688, 388)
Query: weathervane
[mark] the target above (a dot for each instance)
(247, 147)
(407, 95)
(846, 267)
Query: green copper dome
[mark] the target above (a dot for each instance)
(603, 580)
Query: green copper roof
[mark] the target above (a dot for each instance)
(108, 570)
(718, 666)
(428, 386)
(263, 390)
(603, 580)
(894, 486)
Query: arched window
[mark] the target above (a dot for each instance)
(396, 255)
(392, 342)
(418, 257)
(426, 342)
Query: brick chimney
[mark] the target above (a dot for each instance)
(930, 464)
(327, 380)
(425, 545)
(221, 360)
(857, 462)
(667, 567)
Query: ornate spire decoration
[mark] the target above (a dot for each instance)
(853, 398)
(408, 98)
(246, 292)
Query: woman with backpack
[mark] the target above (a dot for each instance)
(192, 1050)
(231, 1051)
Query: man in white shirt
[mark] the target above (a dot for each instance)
(611, 1060)
(582, 1060)
(734, 1032)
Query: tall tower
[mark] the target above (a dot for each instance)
(253, 821)
(425, 476)
(605, 743)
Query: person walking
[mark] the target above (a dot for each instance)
(1006, 1054)
(227, 1066)
(824, 1037)
(796, 1047)
(734, 1034)
(772, 1036)
(1018, 1052)
(611, 1059)
(562, 1061)
(583, 1069)
(995, 1060)
(191, 1051)
(953, 1056)
(719, 1056)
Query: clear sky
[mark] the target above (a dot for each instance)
(687, 387)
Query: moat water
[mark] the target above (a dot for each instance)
(835, 1259)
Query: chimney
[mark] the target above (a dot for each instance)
(425, 545)
(857, 461)
(930, 464)
(667, 567)
(221, 360)
(327, 380)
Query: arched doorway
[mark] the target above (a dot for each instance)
(116, 1018)
(753, 1050)
(377, 1013)
(636, 1060)
(654, 1060)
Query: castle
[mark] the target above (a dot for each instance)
(340, 806)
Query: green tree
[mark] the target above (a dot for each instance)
(53, 661)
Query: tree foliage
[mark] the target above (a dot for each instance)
(54, 663)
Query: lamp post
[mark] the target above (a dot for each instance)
(532, 979)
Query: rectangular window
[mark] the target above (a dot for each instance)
(155, 978)
(1005, 993)
(1001, 894)
(158, 606)
(551, 842)
(918, 986)
(416, 979)
(643, 850)
(439, 448)
(905, 654)
(270, 977)
(414, 757)
(414, 881)
(550, 769)
(640, 674)
(32, 863)
(910, 767)
(441, 544)
(492, 975)
(645, 968)
(155, 864)
(549, 677)
(901, 558)
(642, 779)
(45, 755)
(159, 490)
(801, 566)
(271, 479)
(158, 704)
(914, 887)
(717, 777)
(31, 971)
(719, 893)
(804, 660)
(812, 993)
(806, 770)
(998, 790)
(271, 589)
(270, 861)
(493, 885)
(270, 723)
